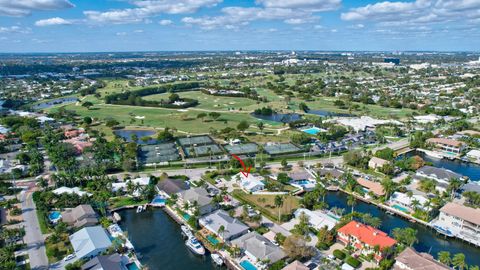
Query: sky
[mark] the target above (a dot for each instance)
(197, 25)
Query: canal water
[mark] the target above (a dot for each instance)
(158, 240)
(428, 240)
(468, 169)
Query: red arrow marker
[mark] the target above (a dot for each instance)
(245, 171)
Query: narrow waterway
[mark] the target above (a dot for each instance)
(158, 240)
(464, 168)
(428, 240)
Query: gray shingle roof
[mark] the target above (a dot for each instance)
(109, 262)
(220, 218)
(200, 195)
(89, 239)
(259, 246)
(439, 173)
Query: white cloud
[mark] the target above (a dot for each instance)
(121, 34)
(239, 16)
(165, 22)
(143, 9)
(419, 12)
(15, 29)
(21, 8)
(53, 21)
(312, 5)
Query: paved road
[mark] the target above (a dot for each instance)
(33, 236)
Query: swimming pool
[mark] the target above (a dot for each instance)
(247, 265)
(159, 200)
(212, 240)
(132, 266)
(312, 130)
(54, 216)
(186, 216)
(401, 208)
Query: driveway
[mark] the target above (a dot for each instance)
(33, 236)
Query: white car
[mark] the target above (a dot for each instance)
(69, 257)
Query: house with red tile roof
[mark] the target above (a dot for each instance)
(365, 239)
(372, 186)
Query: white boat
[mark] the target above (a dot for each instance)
(217, 259)
(140, 208)
(433, 154)
(194, 245)
(186, 231)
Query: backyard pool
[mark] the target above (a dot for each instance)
(132, 266)
(401, 208)
(54, 216)
(212, 240)
(159, 200)
(247, 265)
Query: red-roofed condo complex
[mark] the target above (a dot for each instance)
(365, 238)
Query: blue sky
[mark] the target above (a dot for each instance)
(146, 25)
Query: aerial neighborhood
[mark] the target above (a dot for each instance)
(274, 164)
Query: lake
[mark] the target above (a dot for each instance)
(140, 133)
(51, 103)
(324, 113)
(468, 169)
(158, 240)
(279, 117)
(428, 240)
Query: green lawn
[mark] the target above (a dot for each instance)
(266, 205)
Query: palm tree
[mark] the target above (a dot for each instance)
(388, 187)
(474, 267)
(415, 204)
(445, 258)
(459, 261)
(221, 231)
(278, 203)
(351, 201)
(453, 186)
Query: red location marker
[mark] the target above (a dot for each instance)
(245, 171)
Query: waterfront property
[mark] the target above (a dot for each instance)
(371, 186)
(364, 239)
(406, 203)
(170, 186)
(409, 259)
(448, 146)
(250, 183)
(223, 225)
(106, 262)
(90, 241)
(316, 219)
(80, 216)
(439, 175)
(461, 221)
(258, 249)
(196, 196)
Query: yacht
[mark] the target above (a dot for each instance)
(217, 259)
(194, 245)
(433, 154)
(186, 231)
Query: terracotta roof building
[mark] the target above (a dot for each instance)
(409, 259)
(447, 145)
(374, 187)
(365, 238)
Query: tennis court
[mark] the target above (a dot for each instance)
(202, 150)
(196, 140)
(242, 149)
(281, 148)
(157, 153)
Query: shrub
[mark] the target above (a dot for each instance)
(339, 254)
(352, 262)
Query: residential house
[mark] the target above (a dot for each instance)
(400, 200)
(171, 186)
(460, 220)
(447, 145)
(317, 219)
(440, 175)
(296, 265)
(196, 196)
(371, 186)
(74, 190)
(89, 242)
(410, 259)
(377, 163)
(365, 238)
(105, 262)
(80, 216)
(223, 225)
(250, 183)
(258, 248)
(474, 155)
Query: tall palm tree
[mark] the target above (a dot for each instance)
(388, 187)
(445, 257)
(453, 186)
(458, 261)
(351, 201)
(278, 203)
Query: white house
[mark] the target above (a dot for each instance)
(474, 155)
(68, 190)
(402, 199)
(317, 219)
(250, 183)
(90, 241)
